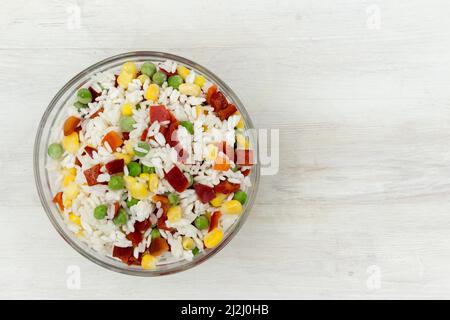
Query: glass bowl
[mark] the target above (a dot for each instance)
(54, 115)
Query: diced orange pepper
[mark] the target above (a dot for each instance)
(114, 140)
(211, 91)
(70, 124)
(158, 246)
(221, 164)
(160, 198)
(59, 200)
(214, 223)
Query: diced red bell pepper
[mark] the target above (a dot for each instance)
(59, 200)
(226, 187)
(94, 93)
(246, 172)
(144, 135)
(135, 237)
(161, 223)
(77, 162)
(70, 124)
(211, 91)
(244, 157)
(160, 198)
(159, 113)
(123, 254)
(91, 174)
(177, 179)
(214, 223)
(125, 136)
(142, 226)
(89, 150)
(170, 134)
(96, 113)
(204, 193)
(218, 101)
(116, 208)
(224, 114)
(168, 73)
(158, 246)
(115, 166)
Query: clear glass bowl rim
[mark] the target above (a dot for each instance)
(50, 209)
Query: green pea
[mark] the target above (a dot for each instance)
(100, 212)
(78, 105)
(195, 251)
(146, 169)
(126, 123)
(116, 183)
(132, 202)
(240, 196)
(188, 125)
(201, 222)
(155, 233)
(145, 149)
(159, 78)
(84, 96)
(174, 81)
(134, 169)
(148, 69)
(121, 218)
(235, 169)
(173, 199)
(55, 151)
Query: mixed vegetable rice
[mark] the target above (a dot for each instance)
(151, 164)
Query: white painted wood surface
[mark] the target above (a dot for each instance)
(364, 120)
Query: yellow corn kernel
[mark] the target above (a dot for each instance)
(71, 171)
(211, 152)
(129, 147)
(145, 176)
(231, 207)
(148, 262)
(71, 191)
(241, 123)
(183, 72)
(129, 181)
(126, 157)
(199, 80)
(129, 67)
(75, 219)
(71, 143)
(152, 92)
(188, 243)
(68, 179)
(174, 214)
(67, 203)
(217, 201)
(80, 233)
(124, 79)
(198, 111)
(153, 181)
(138, 190)
(189, 89)
(127, 109)
(213, 238)
(143, 77)
(242, 142)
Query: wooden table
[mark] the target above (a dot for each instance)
(359, 91)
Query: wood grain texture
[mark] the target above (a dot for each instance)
(364, 120)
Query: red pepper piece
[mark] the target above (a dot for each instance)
(161, 223)
(159, 113)
(94, 93)
(170, 134)
(96, 113)
(214, 223)
(116, 208)
(144, 135)
(226, 187)
(168, 74)
(224, 114)
(91, 174)
(158, 247)
(125, 135)
(142, 226)
(58, 200)
(135, 237)
(123, 254)
(177, 179)
(204, 193)
(244, 157)
(115, 166)
(77, 162)
(218, 101)
(89, 150)
(246, 172)
(211, 91)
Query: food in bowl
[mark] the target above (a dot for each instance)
(151, 164)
